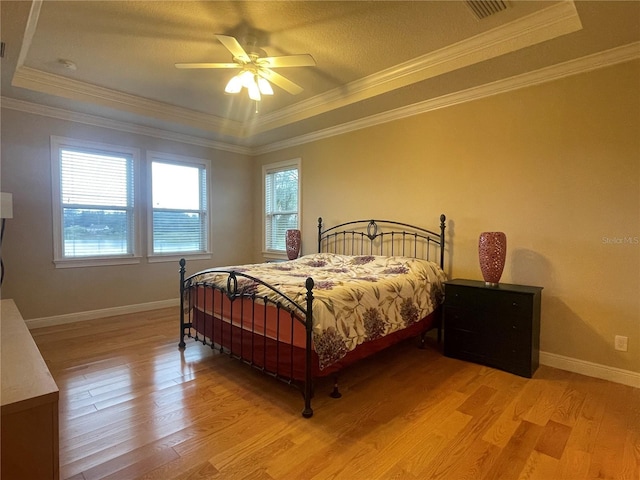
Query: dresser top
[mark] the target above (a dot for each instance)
(508, 287)
(26, 380)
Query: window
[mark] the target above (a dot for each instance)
(281, 203)
(97, 210)
(94, 202)
(179, 215)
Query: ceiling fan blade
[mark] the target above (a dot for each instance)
(304, 60)
(208, 65)
(234, 47)
(279, 80)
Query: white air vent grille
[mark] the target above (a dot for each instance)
(484, 8)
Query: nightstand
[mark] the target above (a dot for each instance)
(494, 326)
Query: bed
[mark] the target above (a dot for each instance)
(371, 284)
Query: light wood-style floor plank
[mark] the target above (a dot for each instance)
(133, 406)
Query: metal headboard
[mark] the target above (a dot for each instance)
(383, 237)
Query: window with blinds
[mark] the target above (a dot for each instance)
(179, 200)
(282, 203)
(97, 210)
(95, 204)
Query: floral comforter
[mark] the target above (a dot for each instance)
(356, 298)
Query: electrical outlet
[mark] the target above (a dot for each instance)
(620, 343)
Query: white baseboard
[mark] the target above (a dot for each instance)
(617, 375)
(93, 314)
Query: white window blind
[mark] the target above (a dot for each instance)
(180, 214)
(281, 204)
(97, 202)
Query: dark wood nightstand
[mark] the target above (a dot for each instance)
(495, 326)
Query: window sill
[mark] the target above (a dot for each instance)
(95, 262)
(272, 256)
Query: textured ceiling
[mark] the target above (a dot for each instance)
(373, 58)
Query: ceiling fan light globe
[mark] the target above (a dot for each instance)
(254, 92)
(246, 78)
(264, 86)
(234, 85)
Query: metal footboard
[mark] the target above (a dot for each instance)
(258, 330)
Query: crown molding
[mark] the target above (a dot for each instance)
(555, 72)
(32, 79)
(97, 121)
(546, 24)
(30, 30)
(585, 64)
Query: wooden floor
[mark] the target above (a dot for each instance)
(132, 405)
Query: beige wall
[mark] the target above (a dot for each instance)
(31, 279)
(556, 167)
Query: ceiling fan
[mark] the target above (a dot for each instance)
(255, 68)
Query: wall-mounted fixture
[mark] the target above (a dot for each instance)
(6, 211)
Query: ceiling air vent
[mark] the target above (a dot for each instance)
(485, 8)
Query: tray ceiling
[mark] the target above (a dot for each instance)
(112, 63)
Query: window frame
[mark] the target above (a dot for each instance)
(57, 144)
(180, 160)
(296, 163)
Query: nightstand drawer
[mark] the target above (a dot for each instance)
(456, 296)
(509, 325)
(464, 344)
(508, 304)
(510, 351)
(461, 318)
